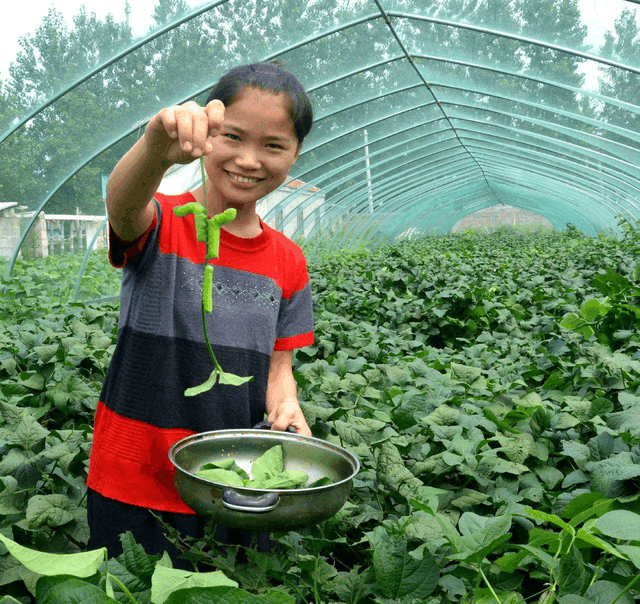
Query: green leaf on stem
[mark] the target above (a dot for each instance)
(83, 564)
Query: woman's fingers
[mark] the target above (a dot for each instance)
(187, 117)
(289, 414)
(190, 129)
(167, 119)
(215, 116)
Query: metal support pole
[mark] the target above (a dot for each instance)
(367, 163)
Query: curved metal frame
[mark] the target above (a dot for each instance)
(618, 170)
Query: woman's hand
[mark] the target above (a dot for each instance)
(282, 406)
(182, 134)
(288, 413)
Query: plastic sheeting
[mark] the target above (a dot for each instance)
(426, 110)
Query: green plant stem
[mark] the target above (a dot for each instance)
(119, 583)
(493, 593)
(292, 586)
(48, 480)
(206, 339)
(596, 573)
(627, 588)
(315, 581)
(203, 176)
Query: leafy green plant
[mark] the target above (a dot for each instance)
(90, 576)
(267, 471)
(208, 231)
(610, 319)
(499, 450)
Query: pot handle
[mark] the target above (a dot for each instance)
(245, 503)
(267, 426)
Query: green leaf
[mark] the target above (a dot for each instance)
(572, 321)
(29, 432)
(227, 464)
(480, 536)
(592, 310)
(551, 518)
(549, 475)
(233, 380)
(205, 386)
(33, 382)
(70, 590)
(166, 581)
(540, 554)
(587, 537)
(46, 353)
(398, 574)
(269, 464)
(605, 592)
(50, 510)
(221, 476)
(465, 373)
(571, 573)
(575, 450)
(582, 504)
(288, 479)
(11, 499)
(83, 564)
(226, 595)
(620, 524)
(632, 551)
(11, 413)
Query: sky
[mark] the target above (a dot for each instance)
(598, 15)
(17, 21)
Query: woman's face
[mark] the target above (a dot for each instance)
(256, 147)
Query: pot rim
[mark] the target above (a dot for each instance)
(266, 434)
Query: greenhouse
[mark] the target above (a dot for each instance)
(467, 204)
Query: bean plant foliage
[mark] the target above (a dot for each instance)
(489, 385)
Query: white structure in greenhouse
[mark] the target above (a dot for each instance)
(293, 209)
(301, 208)
(51, 234)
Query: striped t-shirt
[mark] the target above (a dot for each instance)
(261, 303)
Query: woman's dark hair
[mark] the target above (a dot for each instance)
(272, 78)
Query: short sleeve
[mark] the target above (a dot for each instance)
(121, 252)
(295, 318)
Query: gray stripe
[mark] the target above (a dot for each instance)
(167, 297)
(295, 317)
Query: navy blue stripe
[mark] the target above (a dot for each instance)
(148, 375)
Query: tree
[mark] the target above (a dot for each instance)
(38, 156)
(622, 44)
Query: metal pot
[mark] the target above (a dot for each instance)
(263, 509)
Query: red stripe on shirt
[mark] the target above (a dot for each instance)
(287, 267)
(300, 341)
(130, 462)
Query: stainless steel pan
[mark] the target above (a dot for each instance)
(263, 509)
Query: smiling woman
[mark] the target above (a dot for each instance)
(251, 156)
(259, 298)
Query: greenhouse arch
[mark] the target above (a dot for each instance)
(424, 114)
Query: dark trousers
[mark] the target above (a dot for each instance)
(109, 518)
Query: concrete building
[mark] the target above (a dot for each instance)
(51, 234)
(303, 205)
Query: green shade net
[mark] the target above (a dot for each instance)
(426, 111)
